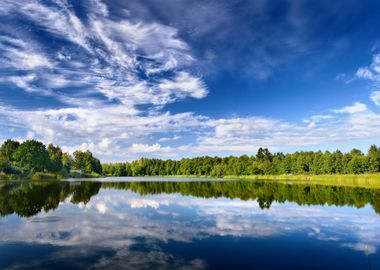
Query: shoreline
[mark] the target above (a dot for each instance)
(350, 180)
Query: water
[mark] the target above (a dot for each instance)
(187, 224)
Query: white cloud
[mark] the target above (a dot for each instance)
(59, 20)
(98, 7)
(112, 67)
(102, 208)
(356, 108)
(371, 72)
(363, 247)
(17, 53)
(124, 132)
(364, 73)
(168, 139)
(375, 97)
(184, 85)
(146, 148)
(106, 130)
(144, 203)
(225, 128)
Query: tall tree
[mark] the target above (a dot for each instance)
(374, 158)
(4, 163)
(32, 155)
(67, 162)
(55, 155)
(8, 148)
(86, 162)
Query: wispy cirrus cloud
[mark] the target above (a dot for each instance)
(123, 61)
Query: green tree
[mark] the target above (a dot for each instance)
(32, 155)
(55, 155)
(86, 162)
(264, 154)
(4, 163)
(67, 162)
(357, 164)
(374, 159)
(8, 148)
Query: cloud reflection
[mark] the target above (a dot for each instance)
(120, 220)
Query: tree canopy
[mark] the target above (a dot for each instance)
(33, 156)
(264, 162)
(8, 148)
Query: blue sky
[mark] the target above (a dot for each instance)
(179, 78)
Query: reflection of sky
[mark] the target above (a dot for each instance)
(117, 220)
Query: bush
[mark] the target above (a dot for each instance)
(12, 170)
(44, 176)
(3, 163)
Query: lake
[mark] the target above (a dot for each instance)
(158, 223)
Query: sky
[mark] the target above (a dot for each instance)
(176, 78)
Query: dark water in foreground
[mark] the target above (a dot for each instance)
(188, 225)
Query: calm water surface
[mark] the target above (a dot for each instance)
(187, 224)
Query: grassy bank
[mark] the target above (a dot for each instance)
(46, 176)
(35, 176)
(354, 180)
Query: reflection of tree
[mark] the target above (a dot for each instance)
(28, 199)
(264, 202)
(264, 192)
(84, 191)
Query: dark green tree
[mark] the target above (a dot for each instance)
(55, 155)
(8, 148)
(32, 155)
(86, 162)
(374, 159)
(4, 163)
(67, 162)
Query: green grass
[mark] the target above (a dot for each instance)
(82, 175)
(45, 176)
(4, 176)
(36, 176)
(354, 180)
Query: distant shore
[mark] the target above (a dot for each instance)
(354, 180)
(46, 176)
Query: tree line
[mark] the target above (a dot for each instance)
(32, 156)
(263, 163)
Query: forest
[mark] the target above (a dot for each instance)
(32, 159)
(263, 163)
